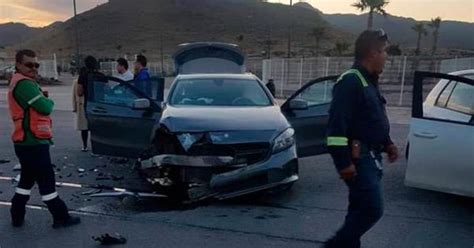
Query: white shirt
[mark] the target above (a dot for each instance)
(126, 76)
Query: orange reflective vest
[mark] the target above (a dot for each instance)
(39, 124)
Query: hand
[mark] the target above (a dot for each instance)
(392, 152)
(46, 93)
(348, 172)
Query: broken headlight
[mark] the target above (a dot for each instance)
(284, 141)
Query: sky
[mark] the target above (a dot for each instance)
(40, 13)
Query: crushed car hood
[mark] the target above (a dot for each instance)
(207, 119)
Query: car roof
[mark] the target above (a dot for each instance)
(247, 76)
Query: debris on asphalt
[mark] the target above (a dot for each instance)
(128, 193)
(92, 191)
(17, 167)
(4, 161)
(106, 239)
(119, 160)
(80, 170)
(69, 175)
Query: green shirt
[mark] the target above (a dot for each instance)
(28, 94)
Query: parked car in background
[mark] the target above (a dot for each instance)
(219, 133)
(6, 72)
(440, 148)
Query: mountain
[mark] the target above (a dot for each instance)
(141, 26)
(453, 34)
(11, 33)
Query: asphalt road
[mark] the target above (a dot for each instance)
(305, 216)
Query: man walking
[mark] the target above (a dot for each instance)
(358, 132)
(30, 110)
(122, 69)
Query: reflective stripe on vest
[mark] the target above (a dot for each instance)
(40, 125)
(357, 73)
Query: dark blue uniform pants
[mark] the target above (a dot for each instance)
(365, 202)
(36, 167)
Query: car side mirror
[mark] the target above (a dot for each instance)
(298, 104)
(141, 103)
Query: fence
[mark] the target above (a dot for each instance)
(290, 74)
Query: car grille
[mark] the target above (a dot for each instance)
(248, 153)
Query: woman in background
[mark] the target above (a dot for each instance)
(78, 108)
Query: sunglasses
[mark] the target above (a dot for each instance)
(32, 65)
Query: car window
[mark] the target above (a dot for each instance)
(444, 96)
(318, 93)
(462, 99)
(219, 92)
(114, 93)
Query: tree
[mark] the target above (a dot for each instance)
(341, 47)
(318, 33)
(435, 24)
(420, 29)
(394, 50)
(374, 6)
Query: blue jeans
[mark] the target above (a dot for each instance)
(365, 202)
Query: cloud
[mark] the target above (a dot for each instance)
(42, 12)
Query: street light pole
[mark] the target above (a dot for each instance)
(76, 34)
(290, 23)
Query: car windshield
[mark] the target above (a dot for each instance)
(219, 92)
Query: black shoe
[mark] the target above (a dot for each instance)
(18, 223)
(71, 221)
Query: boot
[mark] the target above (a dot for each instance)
(18, 209)
(61, 217)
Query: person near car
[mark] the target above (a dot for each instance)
(358, 133)
(92, 69)
(78, 108)
(142, 75)
(30, 110)
(122, 70)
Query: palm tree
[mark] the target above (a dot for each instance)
(318, 34)
(435, 24)
(419, 28)
(374, 6)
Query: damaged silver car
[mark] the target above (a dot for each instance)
(219, 133)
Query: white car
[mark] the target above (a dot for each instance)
(440, 149)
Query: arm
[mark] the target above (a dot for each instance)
(341, 115)
(80, 84)
(74, 96)
(29, 94)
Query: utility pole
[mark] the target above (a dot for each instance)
(76, 34)
(290, 24)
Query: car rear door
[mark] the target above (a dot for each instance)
(441, 148)
(119, 126)
(310, 122)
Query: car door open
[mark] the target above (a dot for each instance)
(307, 111)
(440, 154)
(122, 115)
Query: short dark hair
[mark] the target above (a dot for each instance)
(91, 63)
(369, 41)
(142, 60)
(25, 52)
(123, 62)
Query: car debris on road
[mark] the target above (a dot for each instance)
(107, 239)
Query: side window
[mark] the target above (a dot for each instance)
(318, 93)
(462, 99)
(114, 93)
(444, 96)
